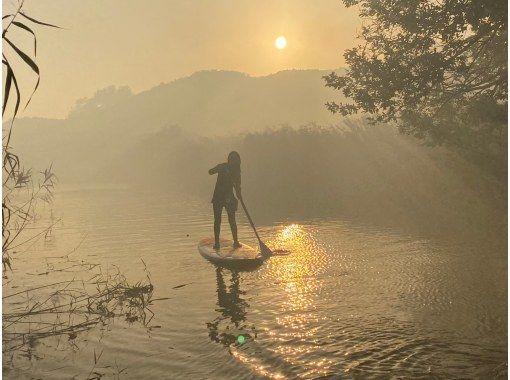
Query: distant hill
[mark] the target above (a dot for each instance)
(207, 103)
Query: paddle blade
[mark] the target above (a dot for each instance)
(264, 250)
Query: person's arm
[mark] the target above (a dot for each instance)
(237, 187)
(214, 170)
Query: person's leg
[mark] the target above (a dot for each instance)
(233, 226)
(217, 208)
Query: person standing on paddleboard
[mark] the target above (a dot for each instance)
(229, 178)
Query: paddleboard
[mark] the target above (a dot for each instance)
(227, 254)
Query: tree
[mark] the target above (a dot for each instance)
(437, 68)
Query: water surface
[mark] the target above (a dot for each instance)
(350, 301)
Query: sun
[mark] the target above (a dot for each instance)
(280, 42)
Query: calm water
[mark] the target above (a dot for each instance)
(350, 301)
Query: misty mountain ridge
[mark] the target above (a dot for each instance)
(212, 102)
(206, 103)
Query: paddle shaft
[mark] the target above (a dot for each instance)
(249, 219)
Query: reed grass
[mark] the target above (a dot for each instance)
(68, 308)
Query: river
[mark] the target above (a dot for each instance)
(351, 300)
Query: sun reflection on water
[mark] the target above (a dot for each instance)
(297, 272)
(290, 232)
(298, 277)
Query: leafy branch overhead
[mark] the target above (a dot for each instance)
(12, 21)
(436, 68)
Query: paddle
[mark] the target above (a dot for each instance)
(264, 249)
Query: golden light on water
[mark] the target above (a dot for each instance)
(301, 263)
(290, 232)
(298, 277)
(280, 43)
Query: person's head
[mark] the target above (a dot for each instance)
(234, 161)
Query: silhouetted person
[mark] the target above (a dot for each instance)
(229, 178)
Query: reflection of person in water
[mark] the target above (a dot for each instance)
(229, 177)
(232, 309)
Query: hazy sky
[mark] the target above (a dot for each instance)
(141, 43)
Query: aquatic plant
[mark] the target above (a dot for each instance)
(66, 308)
(18, 209)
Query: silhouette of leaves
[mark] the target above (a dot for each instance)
(11, 78)
(23, 26)
(37, 21)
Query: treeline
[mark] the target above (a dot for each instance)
(353, 171)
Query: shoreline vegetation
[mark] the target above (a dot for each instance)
(351, 171)
(87, 296)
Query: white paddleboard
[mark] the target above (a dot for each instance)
(227, 254)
